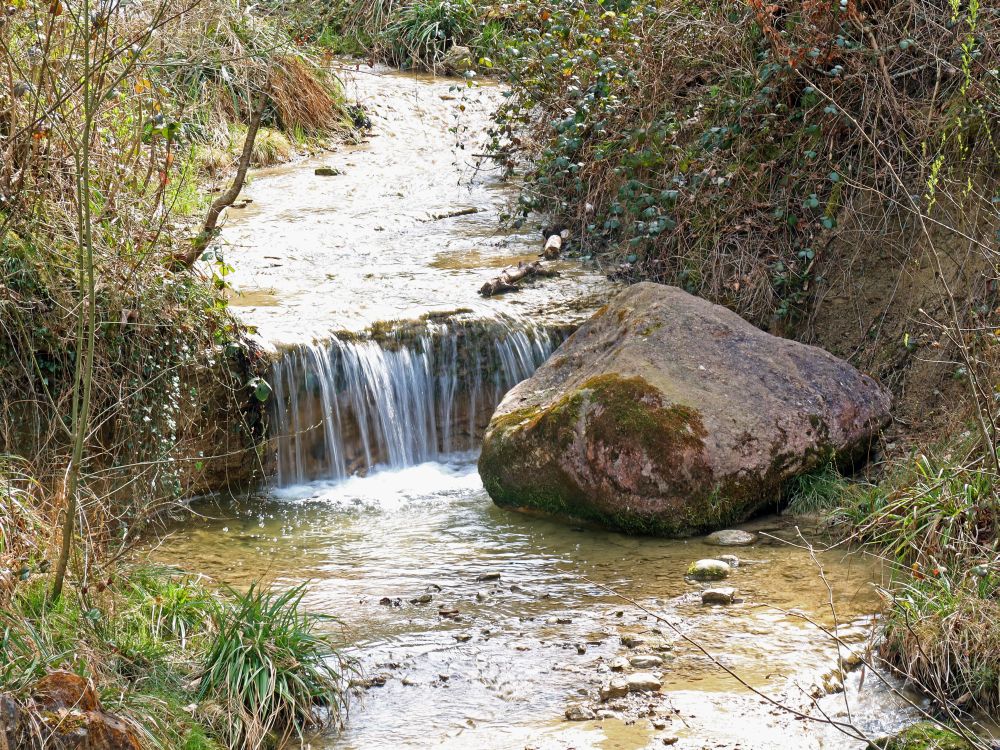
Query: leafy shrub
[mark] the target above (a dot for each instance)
(270, 668)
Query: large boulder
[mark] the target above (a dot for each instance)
(669, 415)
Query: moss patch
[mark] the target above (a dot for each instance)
(922, 736)
(542, 458)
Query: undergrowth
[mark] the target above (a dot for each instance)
(187, 665)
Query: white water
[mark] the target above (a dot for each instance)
(342, 407)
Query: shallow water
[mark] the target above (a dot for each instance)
(314, 254)
(403, 533)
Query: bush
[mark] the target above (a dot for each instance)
(274, 674)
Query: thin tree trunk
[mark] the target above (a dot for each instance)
(211, 227)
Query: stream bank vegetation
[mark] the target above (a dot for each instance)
(128, 384)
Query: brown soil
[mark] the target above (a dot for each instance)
(879, 303)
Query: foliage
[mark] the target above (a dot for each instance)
(819, 491)
(714, 146)
(271, 669)
(422, 31)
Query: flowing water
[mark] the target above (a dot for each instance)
(472, 626)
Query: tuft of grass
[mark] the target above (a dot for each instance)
(819, 491)
(424, 30)
(275, 674)
(271, 147)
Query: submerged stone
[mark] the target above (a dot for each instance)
(731, 538)
(723, 595)
(709, 570)
(665, 414)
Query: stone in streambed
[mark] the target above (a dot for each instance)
(922, 736)
(642, 682)
(709, 570)
(721, 596)
(731, 538)
(666, 414)
(645, 661)
(326, 172)
(616, 688)
(580, 713)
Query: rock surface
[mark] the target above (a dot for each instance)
(709, 570)
(723, 595)
(458, 60)
(669, 415)
(731, 538)
(63, 714)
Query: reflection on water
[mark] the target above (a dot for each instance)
(537, 638)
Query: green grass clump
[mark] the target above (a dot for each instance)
(271, 669)
(423, 31)
(819, 491)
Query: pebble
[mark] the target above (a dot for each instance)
(581, 649)
(644, 661)
(619, 664)
(731, 560)
(723, 595)
(422, 599)
(671, 739)
(463, 637)
(630, 640)
(580, 713)
(482, 596)
(409, 681)
(617, 688)
(488, 577)
(326, 172)
(731, 538)
(642, 682)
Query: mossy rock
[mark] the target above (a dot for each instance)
(665, 414)
(922, 736)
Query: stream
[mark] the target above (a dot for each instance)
(473, 626)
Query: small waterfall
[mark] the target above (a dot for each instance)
(397, 395)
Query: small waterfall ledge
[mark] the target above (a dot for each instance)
(397, 394)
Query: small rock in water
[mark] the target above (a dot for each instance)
(617, 688)
(708, 570)
(482, 596)
(671, 739)
(581, 649)
(564, 621)
(326, 172)
(422, 599)
(463, 637)
(723, 595)
(644, 661)
(488, 577)
(619, 664)
(409, 681)
(580, 713)
(731, 560)
(433, 587)
(630, 640)
(642, 682)
(731, 538)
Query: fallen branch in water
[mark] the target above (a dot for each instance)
(508, 279)
(452, 214)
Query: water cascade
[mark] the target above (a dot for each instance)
(396, 395)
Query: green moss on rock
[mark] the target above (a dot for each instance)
(922, 736)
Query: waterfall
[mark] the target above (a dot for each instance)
(397, 395)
